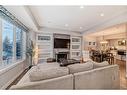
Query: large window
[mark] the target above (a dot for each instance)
(12, 43)
(7, 41)
(12, 39)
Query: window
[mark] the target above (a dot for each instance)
(12, 39)
(12, 42)
(7, 41)
(18, 43)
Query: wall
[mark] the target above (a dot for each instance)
(8, 74)
(113, 40)
(31, 36)
(86, 40)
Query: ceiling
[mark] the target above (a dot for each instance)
(74, 18)
(117, 29)
(21, 13)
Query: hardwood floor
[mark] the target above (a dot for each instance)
(122, 66)
(123, 79)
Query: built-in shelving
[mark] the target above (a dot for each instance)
(44, 42)
(75, 48)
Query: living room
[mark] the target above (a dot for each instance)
(57, 45)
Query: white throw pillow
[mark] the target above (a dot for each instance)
(75, 68)
(102, 64)
(48, 73)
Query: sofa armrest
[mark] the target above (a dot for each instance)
(64, 82)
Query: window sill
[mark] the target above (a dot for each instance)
(9, 67)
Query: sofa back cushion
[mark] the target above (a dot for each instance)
(48, 73)
(48, 65)
(102, 64)
(75, 68)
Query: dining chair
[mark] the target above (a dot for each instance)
(110, 58)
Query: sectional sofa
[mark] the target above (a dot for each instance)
(89, 75)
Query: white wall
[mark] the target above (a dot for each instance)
(114, 42)
(86, 40)
(9, 74)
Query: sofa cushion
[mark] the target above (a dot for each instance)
(48, 65)
(48, 73)
(102, 64)
(75, 68)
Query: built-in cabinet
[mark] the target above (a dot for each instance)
(44, 43)
(45, 47)
(75, 48)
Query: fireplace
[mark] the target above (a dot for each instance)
(62, 55)
(61, 46)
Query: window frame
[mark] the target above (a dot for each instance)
(15, 60)
(1, 45)
(21, 43)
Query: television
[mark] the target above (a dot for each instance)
(61, 43)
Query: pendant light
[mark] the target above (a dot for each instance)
(103, 40)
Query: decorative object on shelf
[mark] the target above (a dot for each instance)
(30, 51)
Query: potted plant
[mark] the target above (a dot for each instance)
(30, 51)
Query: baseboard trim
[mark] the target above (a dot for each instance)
(8, 83)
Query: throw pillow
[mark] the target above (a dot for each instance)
(75, 68)
(102, 64)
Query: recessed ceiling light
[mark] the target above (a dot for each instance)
(81, 7)
(66, 25)
(102, 14)
(80, 27)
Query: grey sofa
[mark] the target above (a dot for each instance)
(78, 76)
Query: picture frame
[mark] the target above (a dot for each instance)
(122, 43)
